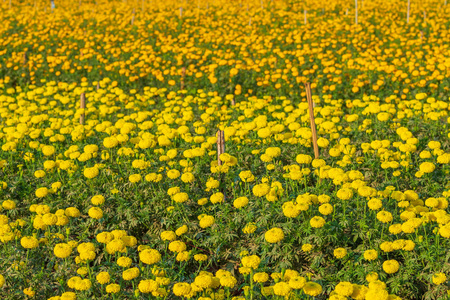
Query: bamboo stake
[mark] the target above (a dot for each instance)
(421, 35)
(132, 17)
(407, 15)
(304, 13)
(250, 21)
(424, 15)
(311, 119)
(220, 145)
(346, 12)
(82, 106)
(181, 12)
(98, 86)
(356, 12)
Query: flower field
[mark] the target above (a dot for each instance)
(115, 182)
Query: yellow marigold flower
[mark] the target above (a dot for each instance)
(391, 266)
(297, 282)
(181, 289)
(216, 198)
(438, 278)
(377, 294)
(326, 209)
(183, 256)
(29, 292)
(148, 286)
(168, 236)
(261, 190)
(91, 172)
(83, 285)
(307, 247)
(281, 288)
(274, 235)
(130, 274)
(317, 222)
(251, 261)
(370, 254)
(62, 250)
(2, 280)
(116, 245)
(48, 150)
(41, 192)
(110, 142)
(303, 159)
(177, 246)
(261, 277)
(344, 288)
(206, 221)
(240, 202)
(246, 176)
(173, 174)
(180, 197)
(249, 228)
(395, 228)
(187, 177)
(427, 167)
(200, 257)
(384, 216)
(228, 281)
(113, 288)
(204, 281)
(39, 173)
(312, 289)
(72, 212)
(181, 230)
(103, 277)
(150, 256)
(133, 178)
(124, 262)
(340, 253)
(29, 242)
(344, 194)
(95, 213)
(386, 246)
(97, 200)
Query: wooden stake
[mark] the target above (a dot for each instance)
(98, 86)
(311, 119)
(421, 35)
(132, 17)
(407, 14)
(181, 12)
(25, 58)
(220, 145)
(356, 12)
(304, 13)
(83, 106)
(424, 15)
